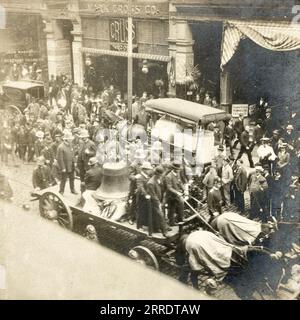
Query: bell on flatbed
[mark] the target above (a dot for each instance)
(115, 182)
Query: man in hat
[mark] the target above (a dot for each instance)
(257, 188)
(218, 160)
(283, 162)
(209, 178)
(86, 151)
(229, 136)
(142, 198)
(270, 123)
(257, 131)
(214, 199)
(246, 146)
(174, 194)
(227, 177)
(66, 162)
(240, 180)
(93, 176)
(266, 154)
(289, 136)
(41, 176)
(39, 144)
(239, 128)
(156, 191)
(274, 140)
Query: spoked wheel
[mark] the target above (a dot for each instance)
(144, 256)
(53, 207)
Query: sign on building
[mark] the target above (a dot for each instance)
(238, 109)
(118, 33)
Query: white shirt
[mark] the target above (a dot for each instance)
(265, 150)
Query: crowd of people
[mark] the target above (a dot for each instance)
(62, 135)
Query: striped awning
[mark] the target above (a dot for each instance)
(270, 35)
(145, 56)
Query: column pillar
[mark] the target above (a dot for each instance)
(226, 90)
(172, 55)
(184, 50)
(77, 54)
(51, 48)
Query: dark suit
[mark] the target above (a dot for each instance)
(246, 147)
(155, 190)
(175, 202)
(239, 187)
(41, 177)
(87, 151)
(65, 160)
(239, 128)
(143, 204)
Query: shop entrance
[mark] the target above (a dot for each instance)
(207, 48)
(257, 72)
(148, 76)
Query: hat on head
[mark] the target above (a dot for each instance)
(68, 136)
(38, 70)
(259, 167)
(159, 170)
(84, 134)
(221, 148)
(92, 161)
(268, 110)
(276, 131)
(176, 165)
(146, 166)
(289, 127)
(264, 139)
(39, 134)
(283, 145)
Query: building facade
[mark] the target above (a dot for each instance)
(170, 38)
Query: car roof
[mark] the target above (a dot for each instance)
(22, 85)
(186, 110)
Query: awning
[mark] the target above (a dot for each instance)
(144, 56)
(276, 36)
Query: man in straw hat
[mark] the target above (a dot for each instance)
(66, 162)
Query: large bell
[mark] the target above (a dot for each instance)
(115, 182)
